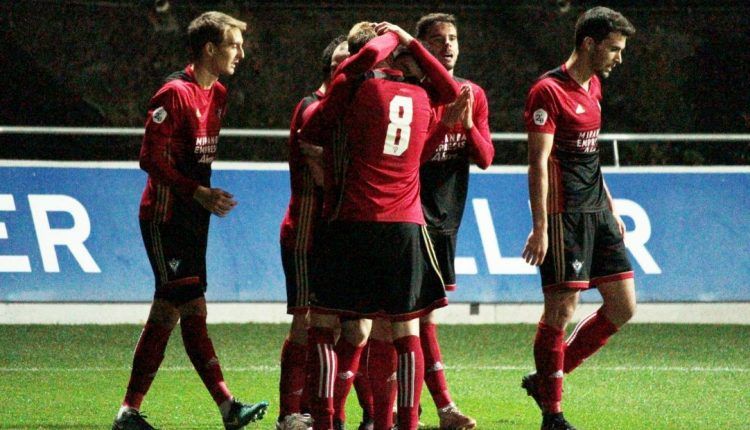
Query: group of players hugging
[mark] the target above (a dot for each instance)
(379, 161)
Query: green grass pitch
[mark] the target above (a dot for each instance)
(648, 377)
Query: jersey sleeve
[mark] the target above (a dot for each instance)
(337, 98)
(163, 122)
(446, 88)
(322, 117)
(481, 149)
(296, 122)
(374, 51)
(540, 115)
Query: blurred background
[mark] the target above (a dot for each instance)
(96, 64)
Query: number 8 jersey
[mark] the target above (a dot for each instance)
(387, 126)
(386, 122)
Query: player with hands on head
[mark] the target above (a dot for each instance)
(386, 121)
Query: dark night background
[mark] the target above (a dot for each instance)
(96, 63)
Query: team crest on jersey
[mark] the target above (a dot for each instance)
(159, 115)
(174, 264)
(577, 265)
(540, 116)
(197, 113)
(580, 109)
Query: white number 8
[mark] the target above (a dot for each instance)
(397, 136)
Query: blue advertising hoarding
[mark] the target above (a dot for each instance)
(69, 233)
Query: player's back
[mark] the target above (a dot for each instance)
(387, 126)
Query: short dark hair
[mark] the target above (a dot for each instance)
(210, 27)
(327, 56)
(598, 22)
(426, 22)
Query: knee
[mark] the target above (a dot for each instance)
(163, 314)
(428, 319)
(622, 312)
(381, 330)
(558, 315)
(355, 337)
(298, 329)
(356, 332)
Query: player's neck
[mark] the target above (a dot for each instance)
(203, 76)
(579, 70)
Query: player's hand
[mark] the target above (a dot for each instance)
(468, 114)
(215, 200)
(536, 247)
(403, 36)
(310, 150)
(315, 165)
(456, 111)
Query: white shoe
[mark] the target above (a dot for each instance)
(295, 422)
(451, 418)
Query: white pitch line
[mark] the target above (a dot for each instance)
(272, 369)
(615, 368)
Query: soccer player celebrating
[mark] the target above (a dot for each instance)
(298, 231)
(444, 181)
(577, 236)
(182, 132)
(376, 261)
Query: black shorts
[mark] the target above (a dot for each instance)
(299, 265)
(444, 244)
(377, 270)
(177, 253)
(585, 249)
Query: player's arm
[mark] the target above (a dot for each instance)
(452, 114)
(611, 204)
(312, 153)
(318, 126)
(446, 88)
(322, 119)
(162, 123)
(540, 147)
(374, 51)
(476, 123)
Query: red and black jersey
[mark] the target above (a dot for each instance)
(305, 203)
(387, 127)
(325, 125)
(386, 121)
(445, 176)
(182, 135)
(558, 105)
